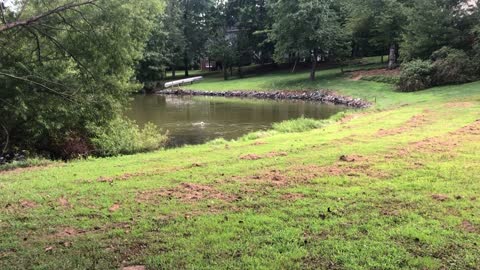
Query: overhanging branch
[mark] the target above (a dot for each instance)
(41, 85)
(37, 18)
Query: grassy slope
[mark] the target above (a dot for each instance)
(409, 200)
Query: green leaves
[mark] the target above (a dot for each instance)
(301, 26)
(70, 70)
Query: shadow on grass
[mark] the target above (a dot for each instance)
(305, 83)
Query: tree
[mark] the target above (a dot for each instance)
(432, 25)
(194, 29)
(377, 25)
(220, 45)
(68, 65)
(304, 27)
(165, 46)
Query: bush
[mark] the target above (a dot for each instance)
(123, 136)
(452, 66)
(415, 75)
(447, 66)
(298, 125)
(70, 146)
(31, 162)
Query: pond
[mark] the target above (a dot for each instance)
(198, 119)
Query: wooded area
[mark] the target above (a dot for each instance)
(68, 67)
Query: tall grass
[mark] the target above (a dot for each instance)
(298, 125)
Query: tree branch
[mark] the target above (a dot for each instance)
(37, 18)
(2, 12)
(61, 47)
(38, 49)
(24, 79)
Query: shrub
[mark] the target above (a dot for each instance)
(31, 162)
(298, 125)
(476, 51)
(415, 75)
(452, 66)
(71, 145)
(123, 136)
(447, 66)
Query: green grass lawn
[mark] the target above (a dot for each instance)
(393, 187)
(332, 79)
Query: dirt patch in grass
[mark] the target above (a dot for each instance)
(250, 157)
(196, 165)
(259, 143)
(19, 207)
(129, 175)
(353, 158)
(358, 75)
(313, 261)
(353, 170)
(349, 140)
(68, 232)
(472, 129)
(30, 169)
(459, 105)
(292, 196)
(276, 154)
(185, 192)
(268, 155)
(64, 202)
(134, 267)
(442, 144)
(390, 212)
(468, 226)
(440, 197)
(414, 122)
(123, 177)
(114, 208)
(26, 204)
(304, 174)
(348, 118)
(274, 178)
(128, 252)
(348, 165)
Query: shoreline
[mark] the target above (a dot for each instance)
(322, 96)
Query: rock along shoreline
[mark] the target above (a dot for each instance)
(323, 96)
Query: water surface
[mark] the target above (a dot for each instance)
(196, 120)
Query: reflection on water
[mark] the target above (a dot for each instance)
(195, 120)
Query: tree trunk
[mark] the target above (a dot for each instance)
(381, 60)
(295, 64)
(225, 72)
(231, 70)
(314, 65)
(173, 72)
(240, 74)
(392, 57)
(185, 62)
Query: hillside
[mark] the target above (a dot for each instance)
(394, 186)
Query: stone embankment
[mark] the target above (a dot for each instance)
(323, 96)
